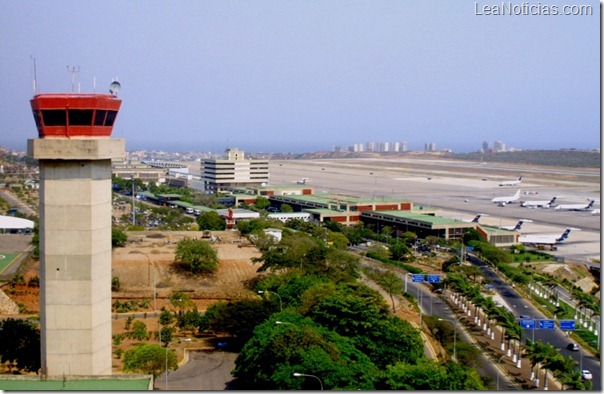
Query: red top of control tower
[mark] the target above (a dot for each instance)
(66, 115)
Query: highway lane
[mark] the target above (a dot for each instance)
(557, 338)
(431, 302)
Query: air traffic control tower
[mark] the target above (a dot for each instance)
(74, 150)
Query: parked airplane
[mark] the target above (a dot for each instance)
(476, 218)
(511, 183)
(576, 207)
(545, 239)
(596, 212)
(302, 181)
(539, 204)
(517, 226)
(507, 200)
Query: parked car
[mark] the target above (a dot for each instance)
(573, 346)
(585, 374)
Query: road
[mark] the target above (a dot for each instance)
(557, 338)
(434, 305)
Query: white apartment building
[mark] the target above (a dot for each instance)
(233, 171)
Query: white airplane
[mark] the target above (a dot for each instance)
(539, 204)
(507, 200)
(517, 226)
(576, 207)
(512, 183)
(476, 218)
(545, 239)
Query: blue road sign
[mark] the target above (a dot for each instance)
(469, 248)
(547, 324)
(418, 277)
(527, 323)
(434, 278)
(568, 325)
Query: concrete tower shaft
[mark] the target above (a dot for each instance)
(75, 253)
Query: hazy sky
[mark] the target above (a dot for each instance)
(305, 75)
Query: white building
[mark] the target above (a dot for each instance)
(233, 171)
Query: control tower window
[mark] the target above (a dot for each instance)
(110, 118)
(99, 117)
(80, 117)
(37, 119)
(54, 117)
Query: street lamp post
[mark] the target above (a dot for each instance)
(296, 374)
(167, 346)
(280, 300)
(454, 335)
(498, 361)
(133, 206)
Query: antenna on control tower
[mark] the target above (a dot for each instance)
(73, 72)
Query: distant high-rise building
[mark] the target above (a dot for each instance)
(485, 146)
(404, 147)
(371, 147)
(430, 147)
(359, 147)
(396, 147)
(499, 146)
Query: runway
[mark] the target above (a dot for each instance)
(462, 189)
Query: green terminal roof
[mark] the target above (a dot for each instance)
(113, 382)
(434, 220)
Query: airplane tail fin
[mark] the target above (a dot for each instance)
(564, 235)
(520, 178)
(517, 194)
(591, 204)
(553, 200)
(476, 218)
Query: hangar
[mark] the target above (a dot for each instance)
(14, 225)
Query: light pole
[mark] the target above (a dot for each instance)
(167, 346)
(280, 300)
(133, 205)
(457, 321)
(296, 374)
(498, 361)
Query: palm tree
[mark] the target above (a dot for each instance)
(534, 353)
(550, 359)
(572, 380)
(563, 368)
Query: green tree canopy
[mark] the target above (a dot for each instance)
(20, 341)
(286, 208)
(118, 238)
(211, 221)
(196, 256)
(270, 358)
(149, 359)
(262, 202)
(430, 375)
